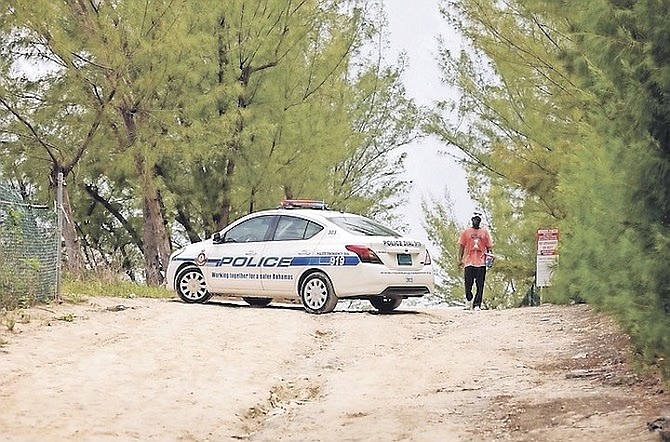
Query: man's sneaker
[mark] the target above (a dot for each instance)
(478, 308)
(468, 305)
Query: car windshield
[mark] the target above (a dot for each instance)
(359, 225)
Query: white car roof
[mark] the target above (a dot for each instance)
(310, 213)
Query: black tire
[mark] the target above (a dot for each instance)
(257, 302)
(384, 304)
(317, 294)
(190, 285)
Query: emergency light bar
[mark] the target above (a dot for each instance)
(303, 204)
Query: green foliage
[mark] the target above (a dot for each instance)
(180, 117)
(443, 231)
(77, 290)
(624, 232)
(66, 317)
(514, 123)
(563, 120)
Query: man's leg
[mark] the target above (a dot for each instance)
(479, 277)
(469, 276)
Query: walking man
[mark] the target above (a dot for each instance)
(473, 245)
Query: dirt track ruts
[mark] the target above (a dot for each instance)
(142, 369)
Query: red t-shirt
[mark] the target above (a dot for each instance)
(476, 242)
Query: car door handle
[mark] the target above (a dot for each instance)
(250, 253)
(303, 252)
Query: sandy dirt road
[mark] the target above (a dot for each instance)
(113, 369)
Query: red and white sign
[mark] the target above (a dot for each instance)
(547, 255)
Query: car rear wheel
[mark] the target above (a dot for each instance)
(317, 294)
(257, 302)
(384, 304)
(191, 287)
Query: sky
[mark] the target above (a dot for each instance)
(414, 27)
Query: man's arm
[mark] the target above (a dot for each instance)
(461, 250)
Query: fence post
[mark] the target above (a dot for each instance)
(59, 233)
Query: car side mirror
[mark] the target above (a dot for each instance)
(216, 238)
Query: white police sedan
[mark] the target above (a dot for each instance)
(303, 250)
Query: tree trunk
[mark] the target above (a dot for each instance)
(223, 217)
(156, 243)
(74, 257)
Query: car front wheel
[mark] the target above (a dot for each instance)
(317, 294)
(191, 287)
(385, 304)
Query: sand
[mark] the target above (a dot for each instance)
(108, 369)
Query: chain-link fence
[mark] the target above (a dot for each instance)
(28, 250)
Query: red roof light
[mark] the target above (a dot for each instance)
(303, 204)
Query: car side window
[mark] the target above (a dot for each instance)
(312, 229)
(252, 230)
(290, 228)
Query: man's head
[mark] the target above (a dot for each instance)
(476, 219)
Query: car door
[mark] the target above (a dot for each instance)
(235, 257)
(287, 253)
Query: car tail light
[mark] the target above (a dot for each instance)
(428, 260)
(365, 254)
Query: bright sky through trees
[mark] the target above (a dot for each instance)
(414, 29)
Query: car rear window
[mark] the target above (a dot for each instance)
(359, 225)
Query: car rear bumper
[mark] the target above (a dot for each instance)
(404, 291)
(372, 281)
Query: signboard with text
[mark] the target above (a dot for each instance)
(547, 255)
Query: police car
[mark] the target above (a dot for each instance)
(302, 250)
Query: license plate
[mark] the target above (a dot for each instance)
(404, 259)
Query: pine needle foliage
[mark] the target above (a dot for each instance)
(171, 119)
(564, 122)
